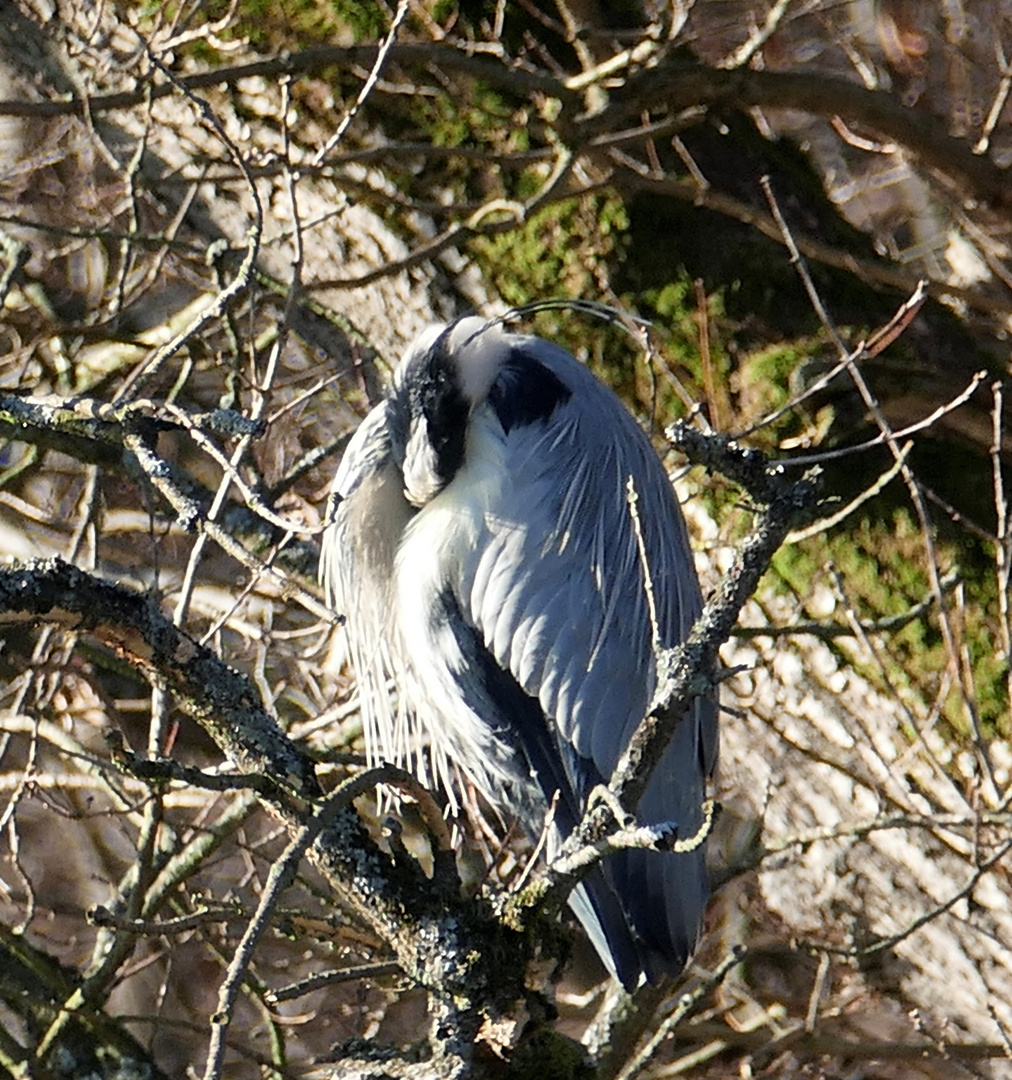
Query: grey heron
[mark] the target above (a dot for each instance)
(484, 553)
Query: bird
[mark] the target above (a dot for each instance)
(490, 568)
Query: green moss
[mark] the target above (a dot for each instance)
(278, 24)
(519, 907)
(544, 1054)
(554, 252)
(765, 381)
(266, 21)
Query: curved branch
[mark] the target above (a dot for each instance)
(687, 668)
(32, 986)
(314, 59)
(677, 85)
(470, 962)
(218, 697)
(673, 84)
(124, 437)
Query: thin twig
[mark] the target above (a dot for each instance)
(882, 439)
(330, 978)
(688, 1004)
(281, 876)
(563, 875)
(553, 190)
(824, 524)
(757, 39)
(828, 631)
(382, 52)
(134, 383)
(1003, 545)
(913, 487)
(687, 669)
(296, 63)
(892, 940)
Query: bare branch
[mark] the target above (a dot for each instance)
(909, 479)
(54, 592)
(566, 872)
(439, 945)
(677, 85)
(306, 60)
(688, 1004)
(689, 667)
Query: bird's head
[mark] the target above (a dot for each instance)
(445, 374)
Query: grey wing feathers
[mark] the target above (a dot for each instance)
(564, 607)
(565, 610)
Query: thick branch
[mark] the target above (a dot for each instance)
(685, 672)
(470, 962)
(317, 58)
(33, 986)
(672, 84)
(215, 695)
(677, 85)
(124, 437)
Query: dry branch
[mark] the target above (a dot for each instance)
(689, 669)
(215, 695)
(453, 948)
(677, 85)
